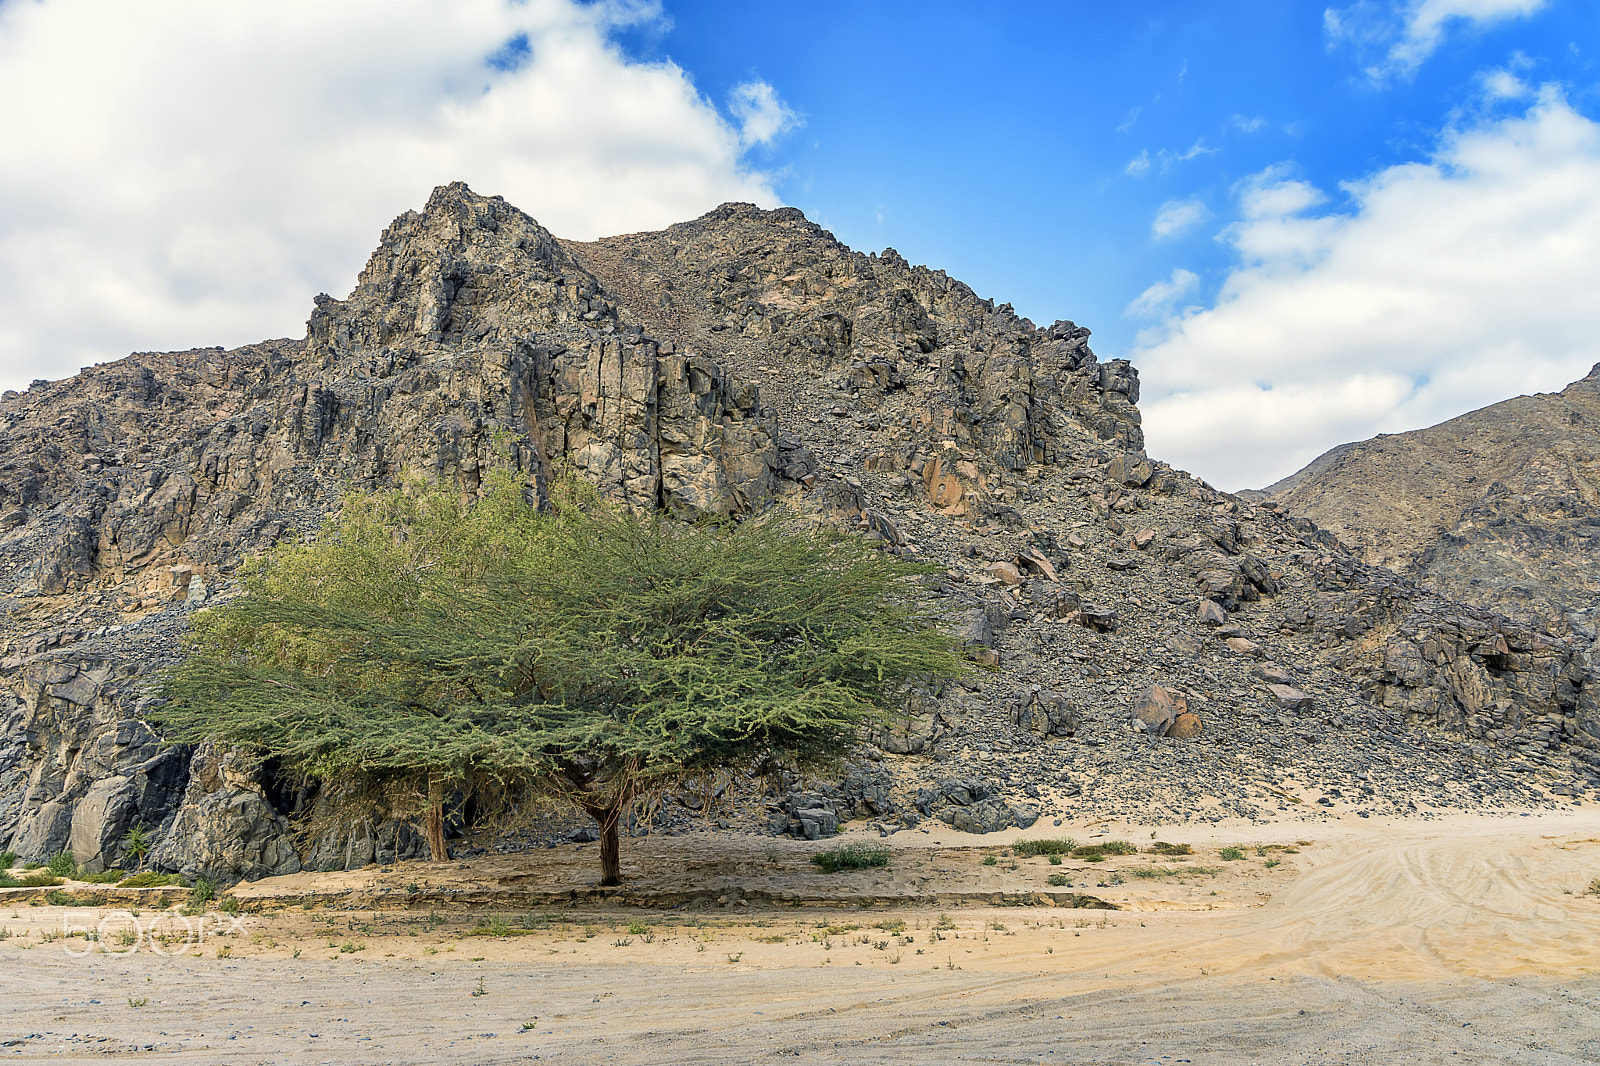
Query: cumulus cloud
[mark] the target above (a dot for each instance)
(1159, 298)
(762, 115)
(1441, 287)
(1176, 217)
(1396, 41)
(181, 173)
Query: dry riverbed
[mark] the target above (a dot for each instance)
(1470, 939)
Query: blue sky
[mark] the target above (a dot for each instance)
(995, 140)
(1307, 223)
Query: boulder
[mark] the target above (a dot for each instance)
(1289, 697)
(1156, 709)
(1210, 613)
(1186, 726)
(1044, 712)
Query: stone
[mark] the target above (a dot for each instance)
(1289, 697)
(1211, 613)
(1034, 561)
(1271, 672)
(1046, 713)
(1185, 726)
(1243, 646)
(1155, 709)
(1008, 574)
(1143, 537)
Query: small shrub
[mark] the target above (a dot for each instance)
(990, 860)
(1057, 880)
(229, 905)
(151, 879)
(1230, 854)
(1099, 852)
(1057, 846)
(136, 844)
(59, 898)
(1594, 888)
(638, 928)
(1055, 860)
(1161, 847)
(1270, 863)
(62, 864)
(39, 879)
(32, 864)
(104, 877)
(8, 859)
(204, 891)
(857, 856)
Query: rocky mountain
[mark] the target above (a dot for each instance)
(1159, 650)
(1499, 507)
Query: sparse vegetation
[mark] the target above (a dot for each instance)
(1230, 854)
(8, 859)
(1057, 846)
(1161, 847)
(1058, 880)
(62, 864)
(203, 892)
(1100, 852)
(151, 879)
(136, 843)
(990, 860)
(1055, 860)
(104, 877)
(859, 855)
(37, 879)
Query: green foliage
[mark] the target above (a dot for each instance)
(1056, 846)
(1230, 854)
(990, 860)
(8, 859)
(40, 879)
(150, 879)
(62, 864)
(204, 891)
(860, 855)
(1057, 880)
(1099, 852)
(136, 842)
(1055, 860)
(592, 653)
(1161, 847)
(104, 877)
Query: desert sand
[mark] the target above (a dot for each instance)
(1463, 939)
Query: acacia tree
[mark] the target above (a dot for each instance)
(586, 652)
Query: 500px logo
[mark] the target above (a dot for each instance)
(168, 933)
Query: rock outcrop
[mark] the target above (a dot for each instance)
(715, 367)
(1499, 507)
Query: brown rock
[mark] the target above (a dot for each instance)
(1008, 574)
(1186, 726)
(1142, 539)
(1211, 613)
(1034, 561)
(1244, 646)
(1157, 708)
(1272, 672)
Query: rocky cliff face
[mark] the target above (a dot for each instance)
(1499, 507)
(717, 366)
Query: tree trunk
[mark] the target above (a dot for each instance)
(438, 850)
(610, 846)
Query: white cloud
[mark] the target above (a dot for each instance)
(1176, 217)
(1406, 35)
(1158, 299)
(1138, 165)
(1503, 85)
(180, 173)
(1445, 286)
(762, 116)
(1248, 123)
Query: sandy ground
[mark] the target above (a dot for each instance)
(1461, 940)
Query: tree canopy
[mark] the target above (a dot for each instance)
(584, 651)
